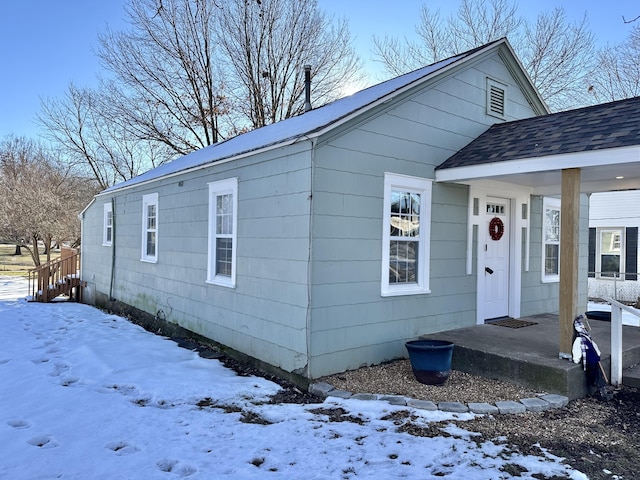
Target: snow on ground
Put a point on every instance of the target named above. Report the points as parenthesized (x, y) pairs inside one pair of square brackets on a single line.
[(85, 394), (627, 318)]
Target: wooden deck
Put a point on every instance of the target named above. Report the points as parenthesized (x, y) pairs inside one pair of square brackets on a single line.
[(57, 277)]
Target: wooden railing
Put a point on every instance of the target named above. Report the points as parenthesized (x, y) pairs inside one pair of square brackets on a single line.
[(616, 337), (57, 277)]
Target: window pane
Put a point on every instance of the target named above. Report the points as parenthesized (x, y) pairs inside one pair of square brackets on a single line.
[(609, 265), (403, 262), (552, 225), (610, 242), (405, 214), (151, 217), (610, 250), (551, 261), (151, 244), (224, 250), (224, 214)]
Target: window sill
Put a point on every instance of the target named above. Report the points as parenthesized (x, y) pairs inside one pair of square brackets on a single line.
[(404, 291), (222, 283), (551, 279), (149, 260)]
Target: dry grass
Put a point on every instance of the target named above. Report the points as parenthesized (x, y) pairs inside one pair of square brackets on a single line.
[(18, 265)]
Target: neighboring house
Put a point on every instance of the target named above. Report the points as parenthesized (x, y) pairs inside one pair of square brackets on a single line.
[(323, 242), (614, 218)]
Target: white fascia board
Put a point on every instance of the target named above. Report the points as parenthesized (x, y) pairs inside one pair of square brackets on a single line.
[(391, 96), (592, 158), (81, 214), (524, 80), (201, 167)]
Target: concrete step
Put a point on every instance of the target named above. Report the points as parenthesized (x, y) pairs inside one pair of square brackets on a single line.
[(631, 376), (528, 356)]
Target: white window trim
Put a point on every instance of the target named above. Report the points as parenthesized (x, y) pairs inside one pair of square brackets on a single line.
[(423, 186), (222, 187), (150, 199), (105, 226), (494, 83), (554, 204)]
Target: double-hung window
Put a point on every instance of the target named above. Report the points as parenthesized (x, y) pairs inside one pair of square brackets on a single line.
[(611, 257), (107, 225), (150, 228), (550, 240), (406, 232), (223, 219)]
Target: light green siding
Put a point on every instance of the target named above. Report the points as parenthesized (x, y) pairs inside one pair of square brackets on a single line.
[(309, 235), (265, 316), (352, 323)]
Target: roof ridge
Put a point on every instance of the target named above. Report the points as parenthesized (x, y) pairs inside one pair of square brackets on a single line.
[(299, 126)]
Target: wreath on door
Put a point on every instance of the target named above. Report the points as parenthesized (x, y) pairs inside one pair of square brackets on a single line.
[(496, 228)]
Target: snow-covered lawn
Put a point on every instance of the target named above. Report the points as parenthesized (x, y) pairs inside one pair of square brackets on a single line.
[(88, 395)]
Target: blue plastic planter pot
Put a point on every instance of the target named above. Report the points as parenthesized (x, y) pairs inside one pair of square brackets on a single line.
[(430, 360)]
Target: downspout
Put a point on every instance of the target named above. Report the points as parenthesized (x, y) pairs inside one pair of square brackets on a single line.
[(113, 246), (81, 218), (310, 259), (307, 107)]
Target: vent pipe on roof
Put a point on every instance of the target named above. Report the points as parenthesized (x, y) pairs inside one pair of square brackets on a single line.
[(307, 88)]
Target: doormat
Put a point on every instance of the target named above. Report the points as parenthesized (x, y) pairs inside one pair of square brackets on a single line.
[(512, 323)]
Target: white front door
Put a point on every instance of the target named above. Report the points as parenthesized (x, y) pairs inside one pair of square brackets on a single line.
[(496, 268)]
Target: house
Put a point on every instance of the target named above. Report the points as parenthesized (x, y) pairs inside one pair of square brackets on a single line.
[(614, 218), (323, 242)]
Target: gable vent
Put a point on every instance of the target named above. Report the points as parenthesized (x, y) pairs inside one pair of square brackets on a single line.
[(496, 98)]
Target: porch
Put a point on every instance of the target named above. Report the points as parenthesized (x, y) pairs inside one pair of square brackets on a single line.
[(528, 355)]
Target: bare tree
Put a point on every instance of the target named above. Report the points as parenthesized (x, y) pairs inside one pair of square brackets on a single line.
[(618, 75), (39, 199), (165, 86), (189, 73), (94, 143), (474, 24), (557, 55), (266, 45)]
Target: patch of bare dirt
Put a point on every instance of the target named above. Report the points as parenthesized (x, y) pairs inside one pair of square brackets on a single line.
[(600, 438)]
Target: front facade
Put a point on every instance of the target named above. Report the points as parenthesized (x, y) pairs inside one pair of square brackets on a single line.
[(326, 250)]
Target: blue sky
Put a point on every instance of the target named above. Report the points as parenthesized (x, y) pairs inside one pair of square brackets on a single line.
[(46, 44)]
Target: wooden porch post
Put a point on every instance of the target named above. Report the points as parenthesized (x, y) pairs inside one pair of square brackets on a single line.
[(569, 242)]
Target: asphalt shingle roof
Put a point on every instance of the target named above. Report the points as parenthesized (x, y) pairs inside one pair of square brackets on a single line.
[(608, 125)]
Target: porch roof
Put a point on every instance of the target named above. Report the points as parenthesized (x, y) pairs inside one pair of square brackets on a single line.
[(602, 140)]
